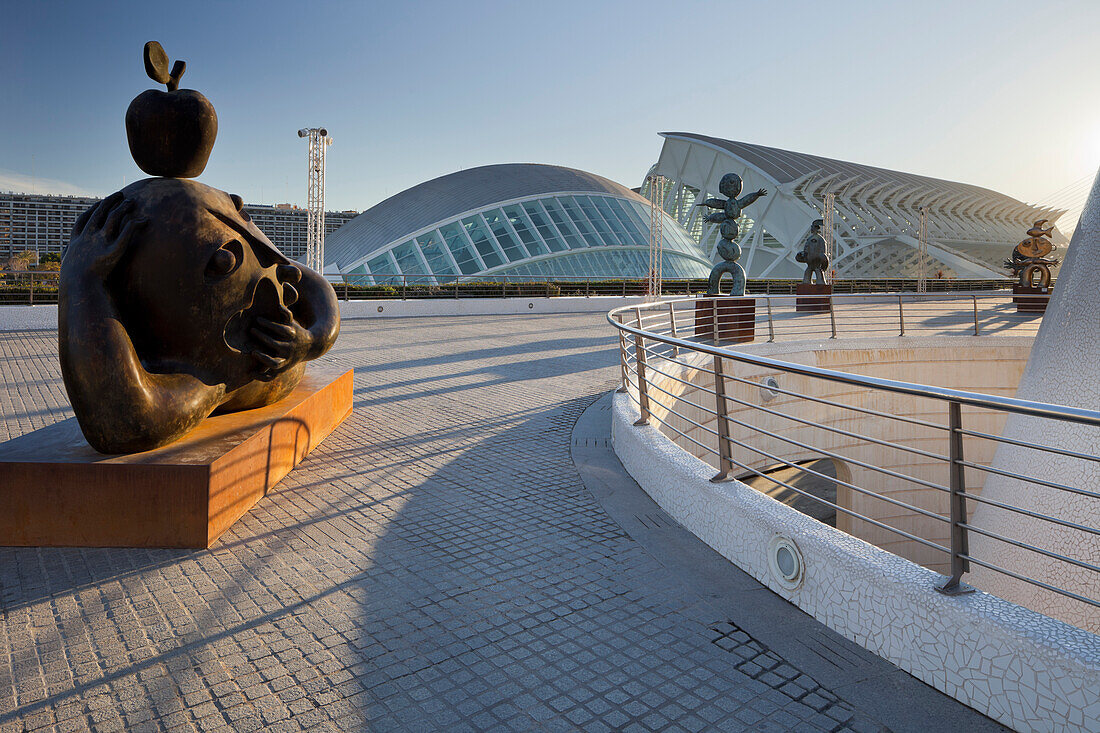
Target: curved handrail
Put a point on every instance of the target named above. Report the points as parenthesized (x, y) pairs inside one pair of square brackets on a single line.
[(974, 399), (635, 354)]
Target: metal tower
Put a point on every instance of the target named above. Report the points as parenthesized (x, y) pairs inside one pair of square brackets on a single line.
[(922, 252), (656, 237), (315, 224)]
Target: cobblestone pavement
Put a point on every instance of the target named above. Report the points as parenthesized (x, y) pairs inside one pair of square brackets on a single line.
[(436, 564)]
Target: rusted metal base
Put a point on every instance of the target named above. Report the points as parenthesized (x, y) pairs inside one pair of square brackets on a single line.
[(736, 319), (813, 298), (55, 490), (1030, 299)]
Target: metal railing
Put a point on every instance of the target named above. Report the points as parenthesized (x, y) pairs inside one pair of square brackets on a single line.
[(706, 397), (420, 286), (29, 287)]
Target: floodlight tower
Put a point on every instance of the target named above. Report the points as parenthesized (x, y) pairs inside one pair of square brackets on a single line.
[(315, 207), (656, 237), (830, 205), (922, 251)]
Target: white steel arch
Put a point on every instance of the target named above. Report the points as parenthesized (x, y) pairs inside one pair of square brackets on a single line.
[(971, 230)]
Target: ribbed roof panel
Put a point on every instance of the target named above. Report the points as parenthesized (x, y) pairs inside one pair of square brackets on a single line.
[(442, 199), (784, 166)]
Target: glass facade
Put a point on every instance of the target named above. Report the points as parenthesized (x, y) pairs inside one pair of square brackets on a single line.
[(557, 236)]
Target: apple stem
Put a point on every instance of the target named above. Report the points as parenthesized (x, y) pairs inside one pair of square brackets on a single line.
[(174, 78)]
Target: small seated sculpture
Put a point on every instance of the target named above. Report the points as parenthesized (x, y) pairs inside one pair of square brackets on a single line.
[(728, 249), (1029, 258), (814, 255), (173, 305)]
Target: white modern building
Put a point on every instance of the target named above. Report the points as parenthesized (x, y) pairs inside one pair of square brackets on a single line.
[(517, 219), (42, 223), (970, 230)]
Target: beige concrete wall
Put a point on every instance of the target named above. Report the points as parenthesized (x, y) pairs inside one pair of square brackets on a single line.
[(983, 364)]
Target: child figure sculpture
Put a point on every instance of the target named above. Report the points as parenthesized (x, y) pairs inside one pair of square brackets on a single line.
[(728, 214)]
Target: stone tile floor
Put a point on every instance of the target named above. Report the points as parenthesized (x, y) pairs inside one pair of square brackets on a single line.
[(436, 564)]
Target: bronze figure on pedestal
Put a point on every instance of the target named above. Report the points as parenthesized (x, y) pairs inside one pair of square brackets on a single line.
[(173, 305)]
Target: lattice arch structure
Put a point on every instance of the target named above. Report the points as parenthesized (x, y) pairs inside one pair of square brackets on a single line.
[(971, 230), (518, 219)]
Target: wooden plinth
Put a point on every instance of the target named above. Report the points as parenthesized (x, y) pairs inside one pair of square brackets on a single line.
[(813, 298), (736, 319), (55, 490), (1030, 299)]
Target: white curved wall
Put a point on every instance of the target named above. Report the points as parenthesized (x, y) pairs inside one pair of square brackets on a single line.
[(1064, 369)]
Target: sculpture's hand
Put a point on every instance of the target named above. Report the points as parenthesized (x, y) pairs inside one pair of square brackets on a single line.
[(285, 343), (101, 235), (762, 192)]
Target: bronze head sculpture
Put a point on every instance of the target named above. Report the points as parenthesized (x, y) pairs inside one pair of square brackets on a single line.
[(174, 305)]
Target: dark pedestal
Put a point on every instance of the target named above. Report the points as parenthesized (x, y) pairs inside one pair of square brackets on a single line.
[(736, 319), (813, 298), (55, 490), (1029, 299)]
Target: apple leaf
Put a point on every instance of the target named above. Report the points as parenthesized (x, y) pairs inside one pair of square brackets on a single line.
[(177, 71), (156, 62)]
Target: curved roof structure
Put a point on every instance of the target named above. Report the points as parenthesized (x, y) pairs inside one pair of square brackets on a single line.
[(520, 219), (970, 229)]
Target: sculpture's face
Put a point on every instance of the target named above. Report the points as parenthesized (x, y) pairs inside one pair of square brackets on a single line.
[(196, 280), (730, 185)]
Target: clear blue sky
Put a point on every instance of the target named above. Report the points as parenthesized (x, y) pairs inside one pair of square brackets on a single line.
[(1001, 94)]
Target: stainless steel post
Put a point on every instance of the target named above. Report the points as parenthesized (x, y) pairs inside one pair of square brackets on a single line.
[(960, 544), (976, 331), (643, 392), (725, 465), (901, 317), (672, 326), (771, 322)]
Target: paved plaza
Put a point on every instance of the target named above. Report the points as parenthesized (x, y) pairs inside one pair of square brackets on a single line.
[(461, 554)]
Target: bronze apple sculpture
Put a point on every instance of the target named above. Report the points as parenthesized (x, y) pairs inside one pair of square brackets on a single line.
[(173, 305), (171, 133)]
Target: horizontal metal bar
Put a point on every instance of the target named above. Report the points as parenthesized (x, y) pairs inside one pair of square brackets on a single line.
[(848, 434), (1028, 513), (1039, 583), (866, 492), (822, 401), (704, 446), (1032, 548), (839, 508), (974, 399), (682, 417), (1031, 480), (1033, 446)]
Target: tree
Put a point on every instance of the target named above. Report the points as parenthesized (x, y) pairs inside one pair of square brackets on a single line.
[(23, 260)]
